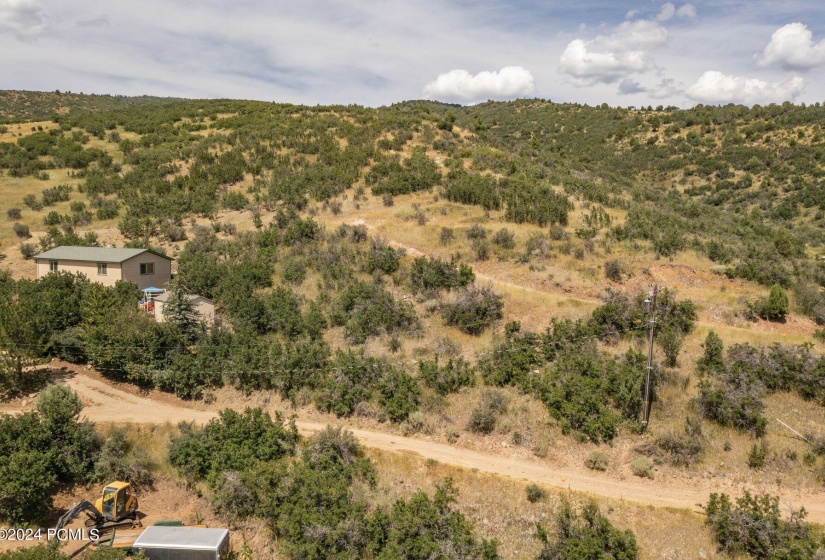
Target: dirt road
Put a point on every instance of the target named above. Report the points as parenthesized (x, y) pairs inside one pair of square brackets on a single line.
[(104, 402)]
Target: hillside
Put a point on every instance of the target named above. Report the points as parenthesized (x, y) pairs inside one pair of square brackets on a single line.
[(468, 276), (26, 106)]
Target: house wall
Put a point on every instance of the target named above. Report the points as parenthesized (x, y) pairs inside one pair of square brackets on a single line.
[(162, 275), (113, 270)]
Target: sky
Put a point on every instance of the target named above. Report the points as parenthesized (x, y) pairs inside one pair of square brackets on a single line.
[(379, 52)]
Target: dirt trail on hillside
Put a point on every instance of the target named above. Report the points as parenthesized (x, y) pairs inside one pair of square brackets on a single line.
[(104, 402)]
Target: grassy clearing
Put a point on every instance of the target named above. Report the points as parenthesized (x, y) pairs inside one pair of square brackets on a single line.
[(12, 191)]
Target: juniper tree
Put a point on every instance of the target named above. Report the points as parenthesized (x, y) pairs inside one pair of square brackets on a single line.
[(180, 311)]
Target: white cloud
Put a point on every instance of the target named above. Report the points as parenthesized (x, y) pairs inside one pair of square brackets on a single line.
[(716, 88), (666, 12), (686, 11), (631, 14), (792, 48), (22, 18), (667, 87), (460, 85), (610, 58)]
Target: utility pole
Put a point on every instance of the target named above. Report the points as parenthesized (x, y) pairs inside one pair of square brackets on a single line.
[(650, 307)]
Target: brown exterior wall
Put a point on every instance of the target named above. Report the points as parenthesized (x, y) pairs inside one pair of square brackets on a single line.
[(113, 271)]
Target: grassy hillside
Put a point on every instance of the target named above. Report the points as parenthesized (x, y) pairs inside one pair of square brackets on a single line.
[(475, 274), (25, 106)]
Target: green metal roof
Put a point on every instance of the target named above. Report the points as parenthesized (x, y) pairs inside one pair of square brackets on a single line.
[(94, 254)]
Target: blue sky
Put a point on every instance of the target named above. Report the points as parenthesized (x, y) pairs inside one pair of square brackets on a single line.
[(380, 52)]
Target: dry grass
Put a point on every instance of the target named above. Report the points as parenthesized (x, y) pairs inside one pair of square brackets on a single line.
[(12, 191), (20, 130), (500, 509), (153, 439)]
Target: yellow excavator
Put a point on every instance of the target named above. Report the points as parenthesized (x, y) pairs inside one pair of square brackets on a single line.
[(116, 508)]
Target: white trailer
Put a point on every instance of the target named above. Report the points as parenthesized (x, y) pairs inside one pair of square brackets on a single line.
[(183, 543)]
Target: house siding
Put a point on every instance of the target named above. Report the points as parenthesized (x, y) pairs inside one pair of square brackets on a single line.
[(161, 277), (113, 270), (128, 270)]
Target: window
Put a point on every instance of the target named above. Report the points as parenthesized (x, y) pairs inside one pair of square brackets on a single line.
[(147, 268), (101, 269), (52, 266)]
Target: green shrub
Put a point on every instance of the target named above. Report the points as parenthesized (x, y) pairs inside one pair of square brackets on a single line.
[(294, 270), (351, 379), (28, 250), (399, 394), (482, 249), (505, 238), (476, 231), (671, 340), (584, 535), (613, 270), (809, 300), (446, 236), (535, 493), (27, 482), (482, 420), (234, 201), (755, 527), (591, 393), (31, 201), (108, 209), (120, 459), (424, 527), (679, 449), (777, 306), (475, 309), (231, 442), (56, 194), (737, 403), (483, 417), (42, 449), (596, 461), (13, 214), (366, 310), (712, 359), (43, 551), (758, 455), (642, 467), (382, 257), (416, 173), (21, 231), (431, 274), (449, 378)]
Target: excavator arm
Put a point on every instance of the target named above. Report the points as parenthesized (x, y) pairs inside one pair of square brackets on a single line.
[(79, 507)]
